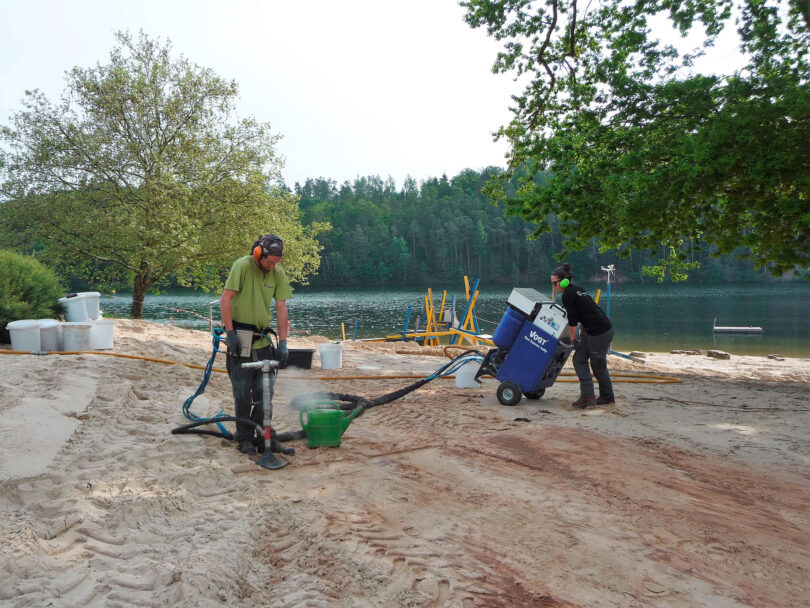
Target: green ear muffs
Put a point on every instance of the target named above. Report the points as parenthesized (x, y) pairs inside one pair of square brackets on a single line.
[(565, 283)]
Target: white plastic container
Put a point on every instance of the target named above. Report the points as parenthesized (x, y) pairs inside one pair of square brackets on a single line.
[(49, 335), (465, 375), (331, 356), (102, 334), (76, 335), (91, 303), (24, 335), (75, 306)]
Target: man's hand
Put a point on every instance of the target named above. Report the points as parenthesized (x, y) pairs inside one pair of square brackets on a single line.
[(234, 347), (283, 353)]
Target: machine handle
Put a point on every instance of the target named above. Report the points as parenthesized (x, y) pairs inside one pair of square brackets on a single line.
[(265, 365), (316, 405)]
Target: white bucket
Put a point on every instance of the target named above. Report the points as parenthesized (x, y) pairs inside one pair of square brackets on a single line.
[(91, 300), (75, 308), (101, 335), (49, 335), (331, 356), (76, 336), (24, 335), (465, 375)]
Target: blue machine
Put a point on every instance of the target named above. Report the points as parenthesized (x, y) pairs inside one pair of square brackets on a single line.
[(529, 355)]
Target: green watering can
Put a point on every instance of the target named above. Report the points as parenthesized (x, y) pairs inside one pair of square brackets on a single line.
[(325, 423)]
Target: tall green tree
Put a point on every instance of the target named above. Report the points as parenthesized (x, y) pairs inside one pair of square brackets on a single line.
[(619, 138), (417, 237), (142, 170)]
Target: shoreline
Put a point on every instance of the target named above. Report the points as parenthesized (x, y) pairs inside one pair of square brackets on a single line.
[(694, 350), (648, 318)]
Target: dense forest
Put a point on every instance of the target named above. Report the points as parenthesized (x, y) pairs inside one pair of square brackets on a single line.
[(441, 229)]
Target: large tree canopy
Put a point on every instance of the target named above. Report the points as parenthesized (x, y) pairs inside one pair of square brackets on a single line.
[(618, 136), (142, 170)]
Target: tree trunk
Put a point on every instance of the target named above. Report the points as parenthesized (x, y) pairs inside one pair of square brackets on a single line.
[(143, 281)]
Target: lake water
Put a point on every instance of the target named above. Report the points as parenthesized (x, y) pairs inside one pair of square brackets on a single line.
[(658, 317)]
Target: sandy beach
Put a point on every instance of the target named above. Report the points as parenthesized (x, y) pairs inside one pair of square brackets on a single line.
[(688, 494)]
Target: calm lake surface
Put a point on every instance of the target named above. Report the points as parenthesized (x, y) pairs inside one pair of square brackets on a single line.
[(658, 317)]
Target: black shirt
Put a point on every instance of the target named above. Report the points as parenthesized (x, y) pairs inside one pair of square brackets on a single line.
[(580, 308)]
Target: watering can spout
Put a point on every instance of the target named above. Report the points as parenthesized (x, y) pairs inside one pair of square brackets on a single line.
[(347, 420)]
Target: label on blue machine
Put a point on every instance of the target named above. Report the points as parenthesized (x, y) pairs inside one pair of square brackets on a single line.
[(552, 320)]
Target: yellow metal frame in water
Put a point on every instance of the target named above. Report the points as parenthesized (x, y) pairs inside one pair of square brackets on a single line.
[(432, 333)]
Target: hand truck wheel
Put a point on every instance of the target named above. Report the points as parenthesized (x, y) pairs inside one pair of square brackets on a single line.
[(509, 393)]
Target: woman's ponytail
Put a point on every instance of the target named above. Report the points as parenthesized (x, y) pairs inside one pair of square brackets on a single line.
[(564, 271)]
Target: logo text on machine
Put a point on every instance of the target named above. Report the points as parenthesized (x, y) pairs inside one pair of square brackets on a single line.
[(537, 340)]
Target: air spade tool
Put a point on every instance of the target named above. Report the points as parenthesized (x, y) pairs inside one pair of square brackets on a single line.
[(268, 459), (272, 440)]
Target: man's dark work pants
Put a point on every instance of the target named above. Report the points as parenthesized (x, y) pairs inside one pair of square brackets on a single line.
[(593, 349), (247, 390)]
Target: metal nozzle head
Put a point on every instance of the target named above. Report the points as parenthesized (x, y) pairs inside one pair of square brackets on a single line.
[(269, 460)]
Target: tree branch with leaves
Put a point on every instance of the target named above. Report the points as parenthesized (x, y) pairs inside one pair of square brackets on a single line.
[(619, 137)]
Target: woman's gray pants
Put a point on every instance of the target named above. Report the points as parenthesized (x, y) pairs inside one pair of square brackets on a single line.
[(593, 349)]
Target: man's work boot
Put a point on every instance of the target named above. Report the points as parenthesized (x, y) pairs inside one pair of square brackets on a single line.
[(246, 446), (605, 401), (583, 402)]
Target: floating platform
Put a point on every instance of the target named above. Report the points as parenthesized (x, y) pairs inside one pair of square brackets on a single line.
[(719, 329)]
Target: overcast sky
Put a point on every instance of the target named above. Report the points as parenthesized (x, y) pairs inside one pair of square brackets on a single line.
[(356, 87)]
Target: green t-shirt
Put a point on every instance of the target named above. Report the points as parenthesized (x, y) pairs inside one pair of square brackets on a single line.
[(255, 291)]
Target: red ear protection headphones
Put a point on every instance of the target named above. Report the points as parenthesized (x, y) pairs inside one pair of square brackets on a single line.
[(269, 244)]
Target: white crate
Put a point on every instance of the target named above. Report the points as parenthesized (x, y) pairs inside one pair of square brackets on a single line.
[(524, 299)]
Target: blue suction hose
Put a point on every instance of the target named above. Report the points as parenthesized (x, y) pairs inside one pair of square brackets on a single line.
[(217, 338)]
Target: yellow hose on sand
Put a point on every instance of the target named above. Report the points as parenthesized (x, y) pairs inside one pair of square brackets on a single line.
[(619, 377)]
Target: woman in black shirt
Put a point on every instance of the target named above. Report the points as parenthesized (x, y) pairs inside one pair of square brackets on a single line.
[(595, 339)]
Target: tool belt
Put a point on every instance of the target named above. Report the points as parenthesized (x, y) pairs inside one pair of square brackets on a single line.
[(257, 332)]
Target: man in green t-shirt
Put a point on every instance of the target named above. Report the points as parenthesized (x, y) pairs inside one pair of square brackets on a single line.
[(253, 283)]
